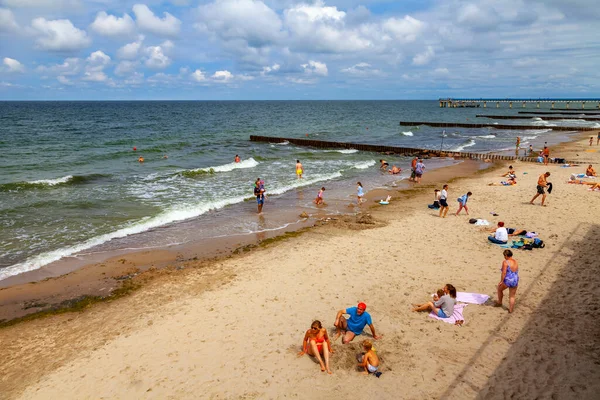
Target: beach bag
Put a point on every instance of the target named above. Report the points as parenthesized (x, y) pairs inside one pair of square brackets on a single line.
[(538, 243)]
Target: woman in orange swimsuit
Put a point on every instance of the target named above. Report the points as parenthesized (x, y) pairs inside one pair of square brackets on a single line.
[(313, 342)]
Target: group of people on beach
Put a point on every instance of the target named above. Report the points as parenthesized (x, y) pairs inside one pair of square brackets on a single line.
[(440, 201), (316, 341)]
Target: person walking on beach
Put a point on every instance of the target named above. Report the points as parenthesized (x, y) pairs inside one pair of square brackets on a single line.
[(541, 185), (316, 342), (413, 165), (518, 145), (509, 279), (444, 201), (462, 202), (591, 140), (355, 324), (299, 169), (419, 169), (546, 154), (259, 192), (359, 193)]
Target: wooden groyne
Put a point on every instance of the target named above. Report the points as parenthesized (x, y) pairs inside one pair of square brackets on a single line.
[(560, 112), (405, 151), (513, 127), (544, 117)]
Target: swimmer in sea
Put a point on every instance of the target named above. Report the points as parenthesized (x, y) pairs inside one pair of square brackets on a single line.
[(141, 159), (299, 169), (237, 158), (395, 170)]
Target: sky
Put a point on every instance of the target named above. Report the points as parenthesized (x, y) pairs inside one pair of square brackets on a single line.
[(297, 50)]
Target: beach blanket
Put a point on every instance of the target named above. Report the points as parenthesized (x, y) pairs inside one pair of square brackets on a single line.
[(473, 298), (456, 316)]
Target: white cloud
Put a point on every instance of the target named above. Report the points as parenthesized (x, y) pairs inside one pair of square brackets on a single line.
[(94, 76), (526, 62), (425, 57), (148, 22), (156, 57), (316, 68), (198, 76), (110, 25), (59, 35), (126, 67), (13, 65), (136, 78), (130, 51), (71, 66), (222, 76), (362, 69), (441, 71), (267, 69), (404, 30), (7, 21), (97, 61), (248, 20), (64, 80)]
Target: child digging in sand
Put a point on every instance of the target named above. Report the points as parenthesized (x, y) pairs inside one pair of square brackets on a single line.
[(369, 360)]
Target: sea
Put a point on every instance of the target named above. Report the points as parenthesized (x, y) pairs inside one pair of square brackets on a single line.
[(71, 183)]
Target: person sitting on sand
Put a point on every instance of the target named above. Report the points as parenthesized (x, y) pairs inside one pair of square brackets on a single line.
[(319, 200), (384, 165), (500, 236), (444, 307), (590, 171), (462, 202), (509, 278), (316, 342), (511, 171), (368, 360), (355, 324), (436, 200), (515, 232)]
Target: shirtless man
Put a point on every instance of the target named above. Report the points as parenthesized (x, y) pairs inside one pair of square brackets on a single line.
[(395, 170), (546, 154), (541, 185), (413, 165), (299, 169), (384, 165), (590, 171)]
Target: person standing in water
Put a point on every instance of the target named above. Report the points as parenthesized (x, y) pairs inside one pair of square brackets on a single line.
[(237, 159), (299, 169), (359, 193)]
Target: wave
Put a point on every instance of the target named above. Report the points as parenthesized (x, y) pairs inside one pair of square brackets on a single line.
[(486, 136), (284, 143), (347, 151), (249, 163), (543, 123), (464, 146), (409, 133), (49, 183), (364, 164), (305, 182)]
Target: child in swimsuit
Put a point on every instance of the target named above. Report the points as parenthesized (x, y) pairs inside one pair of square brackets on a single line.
[(359, 192), (313, 344), (369, 360), (319, 199)]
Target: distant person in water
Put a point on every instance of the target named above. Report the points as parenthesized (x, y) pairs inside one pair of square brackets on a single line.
[(319, 200), (141, 159), (517, 145), (299, 169), (419, 170), (359, 193), (530, 150), (413, 165), (384, 165), (237, 158)]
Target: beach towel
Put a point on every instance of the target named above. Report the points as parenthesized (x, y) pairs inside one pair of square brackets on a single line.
[(482, 222), (456, 316), (473, 298)]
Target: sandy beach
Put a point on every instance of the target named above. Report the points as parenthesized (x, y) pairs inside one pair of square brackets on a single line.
[(231, 328)]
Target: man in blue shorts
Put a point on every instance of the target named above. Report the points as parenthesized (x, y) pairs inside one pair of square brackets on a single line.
[(355, 324)]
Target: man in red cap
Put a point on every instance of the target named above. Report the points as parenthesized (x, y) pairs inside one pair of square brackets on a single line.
[(355, 324)]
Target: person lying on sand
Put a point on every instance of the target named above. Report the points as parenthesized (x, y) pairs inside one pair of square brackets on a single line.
[(394, 170), (368, 360), (316, 342), (355, 324), (444, 307), (590, 171), (509, 182), (593, 185)]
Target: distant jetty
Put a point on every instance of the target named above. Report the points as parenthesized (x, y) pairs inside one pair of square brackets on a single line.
[(513, 127), (474, 102), (581, 112), (544, 118)]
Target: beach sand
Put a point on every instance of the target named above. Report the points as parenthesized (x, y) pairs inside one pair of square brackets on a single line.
[(232, 328)]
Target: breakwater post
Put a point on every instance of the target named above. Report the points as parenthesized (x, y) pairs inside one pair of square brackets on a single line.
[(508, 127), (405, 151)]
